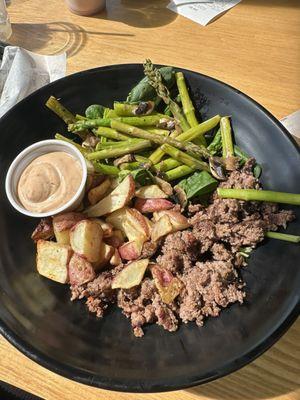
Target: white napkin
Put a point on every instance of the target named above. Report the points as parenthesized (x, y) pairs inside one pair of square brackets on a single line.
[(292, 124), (202, 11), (22, 72)]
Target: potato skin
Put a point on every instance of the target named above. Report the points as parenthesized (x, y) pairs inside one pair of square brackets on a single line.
[(80, 270)]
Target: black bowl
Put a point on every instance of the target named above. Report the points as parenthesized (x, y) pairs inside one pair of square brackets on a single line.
[(36, 314)]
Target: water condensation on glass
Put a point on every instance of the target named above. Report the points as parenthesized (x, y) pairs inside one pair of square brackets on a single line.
[(5, 27)]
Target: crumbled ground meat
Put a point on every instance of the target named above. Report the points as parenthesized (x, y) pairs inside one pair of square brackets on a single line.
[(205, 257)]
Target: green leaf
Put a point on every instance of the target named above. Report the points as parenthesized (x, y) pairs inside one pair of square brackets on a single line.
[(198, 184), (215, 146), (143, 91), (141, 176), (244, 157)]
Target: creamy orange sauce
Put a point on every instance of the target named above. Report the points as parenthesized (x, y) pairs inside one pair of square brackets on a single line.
[(49, 182)]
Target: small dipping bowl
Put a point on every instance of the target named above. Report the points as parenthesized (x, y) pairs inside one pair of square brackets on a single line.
[(25, 158)]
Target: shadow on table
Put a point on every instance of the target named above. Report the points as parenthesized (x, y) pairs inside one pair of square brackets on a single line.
[(274, 374), (138, 13), (59, 36)]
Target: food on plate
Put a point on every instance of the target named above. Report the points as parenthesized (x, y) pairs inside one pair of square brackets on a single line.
[(150, 192), (80, 270), (98, 192), (181, 209), (131, 275), (117, 199), (49, 182), (86, 238), (52, 260), (62, 225), (151, 205)]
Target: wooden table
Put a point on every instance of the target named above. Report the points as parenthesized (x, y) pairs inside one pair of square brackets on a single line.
[(254, 47)]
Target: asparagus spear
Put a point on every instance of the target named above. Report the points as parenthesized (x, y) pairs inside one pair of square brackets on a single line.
[(216, 145), (190, 148), (105, 169), (226, 137), (158, 154), (184, 158), (259, 195), (188, 135), (118, 151), (167, 164), (127, 110), (157, 131), (199, 129), (178, 172), (110, 133), (54, 105), (155, 80), (82, 150), (114, 145), (283, 236), (187, 105), (157, 120)]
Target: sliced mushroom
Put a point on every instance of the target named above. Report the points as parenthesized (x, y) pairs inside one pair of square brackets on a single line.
[(144, 108), (217, 168), (124, 159)]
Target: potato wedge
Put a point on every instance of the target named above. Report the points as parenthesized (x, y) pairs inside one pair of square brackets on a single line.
[(117, 199), (86, 238), (131, 275), (52, 260), (131, 222), (105, 226), (161, 228), (150, 192), (152, 205), (105, 254), (115, 259), (116, 240), (164, 185), (80, 270), (167, 284), (178, 221), (132, 250), (62, 224), (97, 193)]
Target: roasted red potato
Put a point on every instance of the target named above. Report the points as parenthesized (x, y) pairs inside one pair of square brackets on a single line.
[(131, 275), (152, 205), (52, 260), (117, 199), (80, 270), (86, 238)]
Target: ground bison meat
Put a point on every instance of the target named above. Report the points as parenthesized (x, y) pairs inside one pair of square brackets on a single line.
[(209, 287), (206, 258), (180, 251), (143, 305)]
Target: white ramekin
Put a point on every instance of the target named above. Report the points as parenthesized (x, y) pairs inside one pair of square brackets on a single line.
[(29, 154)]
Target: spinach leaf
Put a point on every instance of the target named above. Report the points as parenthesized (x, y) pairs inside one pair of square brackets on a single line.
[(244, 157), (198, 184), (143, 91), (141, 176), (215, 146)]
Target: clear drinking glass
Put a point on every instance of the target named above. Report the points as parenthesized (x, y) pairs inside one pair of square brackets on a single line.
[(5, 27)]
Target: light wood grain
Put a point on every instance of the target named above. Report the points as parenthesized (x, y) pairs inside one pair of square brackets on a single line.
[(254, 47)]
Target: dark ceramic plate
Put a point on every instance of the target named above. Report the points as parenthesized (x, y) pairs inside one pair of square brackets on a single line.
[(36, 314)]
